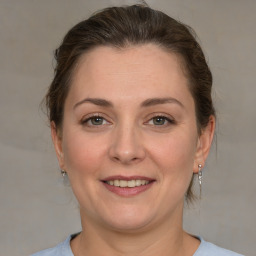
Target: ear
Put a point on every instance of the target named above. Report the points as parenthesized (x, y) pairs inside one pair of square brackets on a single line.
[(57, 141), (204, 144)]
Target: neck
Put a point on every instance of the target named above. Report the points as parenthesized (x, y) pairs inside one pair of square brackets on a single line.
[(167, 238)]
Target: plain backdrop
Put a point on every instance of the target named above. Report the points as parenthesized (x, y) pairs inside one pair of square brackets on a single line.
[(36, 210)]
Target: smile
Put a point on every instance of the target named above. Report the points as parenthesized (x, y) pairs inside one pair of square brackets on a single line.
[(127, 183), (128, 186)]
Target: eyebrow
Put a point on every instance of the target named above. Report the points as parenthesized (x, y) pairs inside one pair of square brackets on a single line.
[(157, 101), (146, 103), (95, 101)]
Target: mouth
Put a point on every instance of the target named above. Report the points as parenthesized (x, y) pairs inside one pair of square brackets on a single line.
[(128, 186), (127, 183)]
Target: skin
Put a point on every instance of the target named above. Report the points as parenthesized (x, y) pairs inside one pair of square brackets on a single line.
[(129, 141)]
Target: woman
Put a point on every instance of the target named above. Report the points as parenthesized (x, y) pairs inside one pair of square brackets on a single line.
[(132, 122)]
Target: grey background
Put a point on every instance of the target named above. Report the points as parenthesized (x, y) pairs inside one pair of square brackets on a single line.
[(36, 210)]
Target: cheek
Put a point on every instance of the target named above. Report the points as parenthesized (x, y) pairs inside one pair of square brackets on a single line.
[(174, 158), (82, 154), (175, 154)]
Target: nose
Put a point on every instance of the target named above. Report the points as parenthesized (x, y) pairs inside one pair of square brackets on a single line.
[(127, 146)]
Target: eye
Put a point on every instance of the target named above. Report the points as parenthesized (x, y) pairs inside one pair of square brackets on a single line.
[(160, 121), (94, 121)]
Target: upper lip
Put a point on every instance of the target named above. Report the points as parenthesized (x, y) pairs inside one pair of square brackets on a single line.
[(120, 177)]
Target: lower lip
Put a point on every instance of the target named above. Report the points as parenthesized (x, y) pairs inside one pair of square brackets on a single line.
[(128, 192)]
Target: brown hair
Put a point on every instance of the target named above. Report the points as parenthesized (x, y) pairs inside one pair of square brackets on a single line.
[(132, 25)]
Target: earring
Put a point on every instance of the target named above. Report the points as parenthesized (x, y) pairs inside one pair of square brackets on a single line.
[(65, 177), (63, 173), (200, 177), (200, 174)]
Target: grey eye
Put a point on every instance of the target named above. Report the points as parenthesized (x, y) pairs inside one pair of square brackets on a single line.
[(159, 120), (96, 120)]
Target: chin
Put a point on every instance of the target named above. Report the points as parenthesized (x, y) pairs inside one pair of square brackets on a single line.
[(129, 225), (128, 219)]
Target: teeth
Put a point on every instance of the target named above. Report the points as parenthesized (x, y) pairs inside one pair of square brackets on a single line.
[(122, 183), (138, 183), (116, 183), (129, 183)]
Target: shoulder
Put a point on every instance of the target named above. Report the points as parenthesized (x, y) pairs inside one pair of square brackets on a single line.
[(209, 249), (62, 249)]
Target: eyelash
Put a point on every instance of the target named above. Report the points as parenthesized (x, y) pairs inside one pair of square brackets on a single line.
[(169, 120), (90, 118)]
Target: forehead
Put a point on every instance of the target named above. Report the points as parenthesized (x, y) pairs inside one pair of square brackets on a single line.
[(132, 72)]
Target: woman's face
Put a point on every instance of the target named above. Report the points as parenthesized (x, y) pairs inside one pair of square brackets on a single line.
[(129, 138)]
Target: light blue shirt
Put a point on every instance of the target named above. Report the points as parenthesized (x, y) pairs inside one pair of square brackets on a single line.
[(205, 249)]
